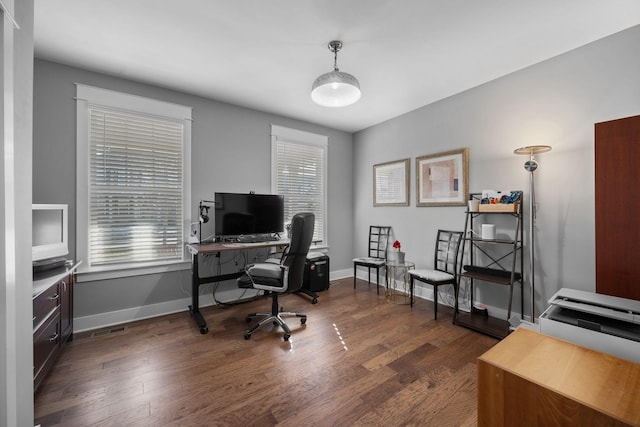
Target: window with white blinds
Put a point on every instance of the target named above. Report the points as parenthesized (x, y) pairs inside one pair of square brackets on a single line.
[(135, 188), (299, 169), (136, 199)]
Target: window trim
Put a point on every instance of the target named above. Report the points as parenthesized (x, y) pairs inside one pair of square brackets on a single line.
[(296, 136), (86, 95)]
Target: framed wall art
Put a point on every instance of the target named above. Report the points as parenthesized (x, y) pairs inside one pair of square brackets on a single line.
[(391, 183), (442, 179)]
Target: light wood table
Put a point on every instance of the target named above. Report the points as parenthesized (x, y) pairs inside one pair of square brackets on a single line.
[(530, 379)]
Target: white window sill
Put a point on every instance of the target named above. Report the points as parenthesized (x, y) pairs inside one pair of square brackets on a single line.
[(105, 273)]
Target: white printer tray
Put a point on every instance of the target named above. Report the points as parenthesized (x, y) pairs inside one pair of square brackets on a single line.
[(601, 322)]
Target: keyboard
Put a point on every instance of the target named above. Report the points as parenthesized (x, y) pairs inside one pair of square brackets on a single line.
[(257, 238)]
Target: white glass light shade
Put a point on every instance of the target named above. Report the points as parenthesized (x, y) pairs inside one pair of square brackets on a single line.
[(335, 89)]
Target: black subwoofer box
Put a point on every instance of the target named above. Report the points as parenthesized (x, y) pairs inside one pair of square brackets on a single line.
[(316, 272)]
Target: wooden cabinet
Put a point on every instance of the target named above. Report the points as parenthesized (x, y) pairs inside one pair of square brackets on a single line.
[(52, 318), (530, 379), (46, 345), (617, 176), (66, 308)]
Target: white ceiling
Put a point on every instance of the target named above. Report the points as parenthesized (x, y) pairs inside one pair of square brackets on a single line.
[(265, 54)]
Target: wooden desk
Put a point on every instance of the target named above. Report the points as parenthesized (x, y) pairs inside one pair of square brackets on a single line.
[(530, 379), (216, 248)]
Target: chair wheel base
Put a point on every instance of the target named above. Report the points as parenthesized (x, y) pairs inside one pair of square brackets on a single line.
[(275, 318)]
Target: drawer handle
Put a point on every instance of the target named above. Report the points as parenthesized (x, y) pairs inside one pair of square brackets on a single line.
[(34, 318), (54, 297), (53, 337)]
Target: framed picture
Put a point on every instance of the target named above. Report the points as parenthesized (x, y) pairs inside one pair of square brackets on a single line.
[(443, 179), (391, 183)]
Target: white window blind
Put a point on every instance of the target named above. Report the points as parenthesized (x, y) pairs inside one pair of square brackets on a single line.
[(135, 189), (133, 183), (299, 174)]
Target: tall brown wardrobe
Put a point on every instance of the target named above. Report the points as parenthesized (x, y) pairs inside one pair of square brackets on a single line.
[(617, 207)]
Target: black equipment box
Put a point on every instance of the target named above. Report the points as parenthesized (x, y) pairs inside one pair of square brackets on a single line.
[(316, 272)]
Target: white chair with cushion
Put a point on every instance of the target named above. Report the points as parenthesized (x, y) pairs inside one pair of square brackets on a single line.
[(377, 256), (444, 271)]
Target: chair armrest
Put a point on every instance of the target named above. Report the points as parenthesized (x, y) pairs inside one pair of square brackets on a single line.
[(266, 270), (268, 276)]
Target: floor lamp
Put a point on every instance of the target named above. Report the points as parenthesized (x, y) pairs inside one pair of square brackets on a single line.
[(531, 165)]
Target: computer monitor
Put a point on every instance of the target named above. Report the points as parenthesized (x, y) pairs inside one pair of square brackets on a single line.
[(239, 214)]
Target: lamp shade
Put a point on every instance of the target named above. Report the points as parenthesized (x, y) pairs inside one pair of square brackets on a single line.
[(530, 150), (335, 89)]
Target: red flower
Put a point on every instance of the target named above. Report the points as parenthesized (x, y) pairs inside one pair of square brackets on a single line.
[(396, 244)]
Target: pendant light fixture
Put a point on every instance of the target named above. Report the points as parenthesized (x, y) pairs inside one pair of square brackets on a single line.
[(335, 89)]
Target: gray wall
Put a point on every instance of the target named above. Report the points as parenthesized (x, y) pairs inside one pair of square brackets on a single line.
[(554, 103), (231, 150)]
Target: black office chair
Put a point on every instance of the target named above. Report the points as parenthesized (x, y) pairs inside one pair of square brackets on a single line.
[(377, 257), (281, 278), (444, 271)]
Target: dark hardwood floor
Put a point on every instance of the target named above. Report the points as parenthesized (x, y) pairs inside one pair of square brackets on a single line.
[(359, 360)]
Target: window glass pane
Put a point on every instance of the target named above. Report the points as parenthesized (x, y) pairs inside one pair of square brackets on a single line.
[(135, 188), (300, 171)]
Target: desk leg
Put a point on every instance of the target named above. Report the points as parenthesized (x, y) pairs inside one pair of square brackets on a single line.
[(194, 308)]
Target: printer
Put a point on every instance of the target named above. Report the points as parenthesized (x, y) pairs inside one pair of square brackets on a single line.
[(602, 322)]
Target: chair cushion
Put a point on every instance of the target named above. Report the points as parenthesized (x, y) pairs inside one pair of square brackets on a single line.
[(258, 275), (431, 275), (244, 281), (265, 270), (369, 261)]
